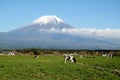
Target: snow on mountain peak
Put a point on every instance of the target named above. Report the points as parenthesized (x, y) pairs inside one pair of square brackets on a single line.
[(45, 23), (48, 19)]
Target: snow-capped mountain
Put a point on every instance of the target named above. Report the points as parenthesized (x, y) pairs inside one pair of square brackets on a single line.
[(44, 23), (52, 32)]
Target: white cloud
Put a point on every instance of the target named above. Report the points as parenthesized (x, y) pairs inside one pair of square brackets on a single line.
[(90, 32), (107, 33)]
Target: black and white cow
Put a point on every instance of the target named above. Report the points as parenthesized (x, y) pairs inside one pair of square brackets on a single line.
[(70, 58), (110, 55), (36, 56)]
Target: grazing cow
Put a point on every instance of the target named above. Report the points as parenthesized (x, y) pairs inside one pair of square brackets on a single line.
[(81, 56), (110, 55), (104, 55), (70, 58), (113, 55), (12, 54), (36, 56)]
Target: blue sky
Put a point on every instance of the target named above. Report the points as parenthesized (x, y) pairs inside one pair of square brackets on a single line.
[(100, 14)]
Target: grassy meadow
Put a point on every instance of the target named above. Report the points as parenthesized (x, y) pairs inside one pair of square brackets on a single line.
[(52, 67)]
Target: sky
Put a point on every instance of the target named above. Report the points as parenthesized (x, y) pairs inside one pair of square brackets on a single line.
[(98, 14)]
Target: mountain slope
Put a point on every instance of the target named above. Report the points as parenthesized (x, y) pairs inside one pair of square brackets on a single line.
[(50, 40)]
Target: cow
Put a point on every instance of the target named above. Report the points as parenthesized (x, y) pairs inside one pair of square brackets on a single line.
[(113, 55), (110, 55), (104, 55), (36, 56), (70, 58), (11, 53), (81, 56)]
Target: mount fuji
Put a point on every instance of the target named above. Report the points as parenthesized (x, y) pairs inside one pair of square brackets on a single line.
[(44, 23), (50, 32)]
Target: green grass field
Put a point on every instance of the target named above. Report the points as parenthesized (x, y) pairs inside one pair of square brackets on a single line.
[(50, 67)]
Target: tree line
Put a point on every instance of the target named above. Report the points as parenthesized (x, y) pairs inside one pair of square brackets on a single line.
[(59, 52)]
